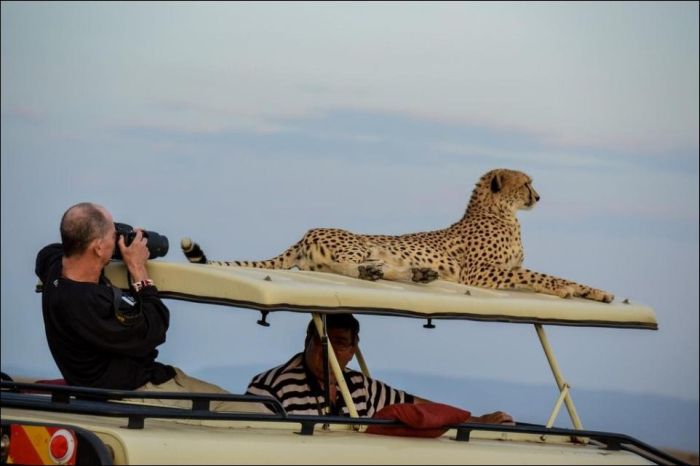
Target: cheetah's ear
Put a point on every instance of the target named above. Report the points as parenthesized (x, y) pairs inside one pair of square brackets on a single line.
[(496, 183)]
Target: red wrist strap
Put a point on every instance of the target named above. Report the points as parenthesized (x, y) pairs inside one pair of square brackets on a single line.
[(138, 286)]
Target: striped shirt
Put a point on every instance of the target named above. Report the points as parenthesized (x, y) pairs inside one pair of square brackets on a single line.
[(299, 393)]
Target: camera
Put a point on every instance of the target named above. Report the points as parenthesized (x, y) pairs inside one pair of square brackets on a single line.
[(157, 244)]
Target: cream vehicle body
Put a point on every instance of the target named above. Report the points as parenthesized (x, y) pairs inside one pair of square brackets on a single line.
[(123, 433)]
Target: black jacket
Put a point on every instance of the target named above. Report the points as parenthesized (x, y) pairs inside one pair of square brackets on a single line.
[(90, 345)]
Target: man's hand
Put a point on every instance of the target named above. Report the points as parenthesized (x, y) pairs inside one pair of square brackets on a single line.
[(135, 255), (499, 417)]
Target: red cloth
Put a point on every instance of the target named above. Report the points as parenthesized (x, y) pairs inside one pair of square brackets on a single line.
[(52, 381), (46, 381), (422, 420)]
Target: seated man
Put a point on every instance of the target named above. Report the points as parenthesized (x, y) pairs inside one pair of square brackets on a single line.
[(298, 383)]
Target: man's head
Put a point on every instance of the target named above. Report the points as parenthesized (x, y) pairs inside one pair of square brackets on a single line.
[(85, 226), (343, 332)]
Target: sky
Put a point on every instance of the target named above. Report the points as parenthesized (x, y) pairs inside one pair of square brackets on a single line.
[(243, 125)]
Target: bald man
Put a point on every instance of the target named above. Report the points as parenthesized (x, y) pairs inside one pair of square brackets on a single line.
[(98, 336)]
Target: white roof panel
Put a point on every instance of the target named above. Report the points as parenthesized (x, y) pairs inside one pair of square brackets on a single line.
[(303, 291)]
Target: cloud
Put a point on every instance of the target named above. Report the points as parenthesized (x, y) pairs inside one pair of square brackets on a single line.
[(514, 157), (380, 135), (25, 114)]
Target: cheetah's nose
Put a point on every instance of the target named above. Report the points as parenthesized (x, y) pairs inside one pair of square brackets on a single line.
[(537, 197)]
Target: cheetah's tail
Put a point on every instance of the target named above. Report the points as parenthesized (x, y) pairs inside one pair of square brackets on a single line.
[(195, 255)]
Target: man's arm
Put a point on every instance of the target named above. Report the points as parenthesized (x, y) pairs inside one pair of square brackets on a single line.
[(381, 394), (92, 316), (48, 256), (499, 417), (135, 256)]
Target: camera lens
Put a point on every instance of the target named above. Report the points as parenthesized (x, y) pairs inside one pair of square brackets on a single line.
[(157, 244)]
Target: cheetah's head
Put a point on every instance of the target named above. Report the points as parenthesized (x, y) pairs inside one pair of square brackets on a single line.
[(508, 189)]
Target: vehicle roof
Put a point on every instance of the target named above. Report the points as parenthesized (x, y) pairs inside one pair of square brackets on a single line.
[(304, 291)]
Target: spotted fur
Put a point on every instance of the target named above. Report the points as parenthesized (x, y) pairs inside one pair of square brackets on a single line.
[(482, 249)]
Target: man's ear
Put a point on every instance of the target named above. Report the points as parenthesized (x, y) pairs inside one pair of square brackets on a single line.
[(97, 246)]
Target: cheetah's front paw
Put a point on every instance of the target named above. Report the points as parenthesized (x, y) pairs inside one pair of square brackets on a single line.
[(599, 295), (371, 272), (423, 274)]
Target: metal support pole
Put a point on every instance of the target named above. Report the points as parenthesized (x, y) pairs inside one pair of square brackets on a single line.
[(557, 406), (361, 362), (337, 371), (557, 376), (326, 370)]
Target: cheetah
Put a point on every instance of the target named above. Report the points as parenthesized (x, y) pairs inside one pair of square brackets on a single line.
[(482, 249)]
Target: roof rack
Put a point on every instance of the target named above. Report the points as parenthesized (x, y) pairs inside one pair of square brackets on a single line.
[(96, 401)]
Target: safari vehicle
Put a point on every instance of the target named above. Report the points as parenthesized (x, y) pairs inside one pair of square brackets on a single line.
[(58, 424)]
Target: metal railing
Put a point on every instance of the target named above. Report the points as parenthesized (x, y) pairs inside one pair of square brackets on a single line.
[(104, 402)]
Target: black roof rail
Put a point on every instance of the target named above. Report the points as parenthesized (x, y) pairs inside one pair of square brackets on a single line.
[(200, 401)]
